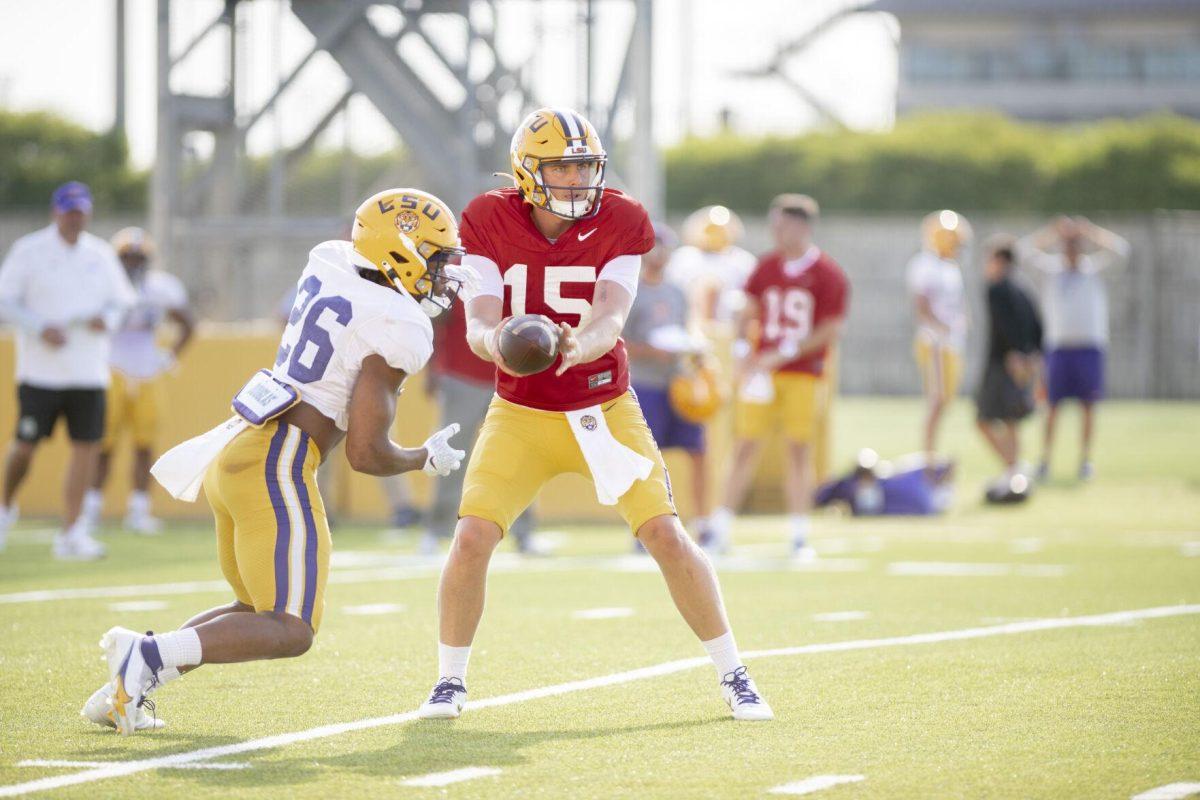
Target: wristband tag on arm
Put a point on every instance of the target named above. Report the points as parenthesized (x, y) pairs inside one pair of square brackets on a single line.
[(263, 398)]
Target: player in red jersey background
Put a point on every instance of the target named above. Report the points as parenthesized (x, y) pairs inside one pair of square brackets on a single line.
[(562, 245), (796, 301)]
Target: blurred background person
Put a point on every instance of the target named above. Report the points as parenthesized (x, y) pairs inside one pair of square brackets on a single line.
[(935, 282), (462, 385), (711, 268), (658, 341), (1014, 346), (136, 397), (796, 302), (1068, 257), (66, 292)]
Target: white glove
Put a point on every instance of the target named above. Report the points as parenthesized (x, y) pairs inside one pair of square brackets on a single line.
[(443, 458)]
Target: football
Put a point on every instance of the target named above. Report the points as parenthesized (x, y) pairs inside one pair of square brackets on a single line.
[(529, 343)]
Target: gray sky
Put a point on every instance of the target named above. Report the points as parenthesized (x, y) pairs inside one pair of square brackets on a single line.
[(853, 68)]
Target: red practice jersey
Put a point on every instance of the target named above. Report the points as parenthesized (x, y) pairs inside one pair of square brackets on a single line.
[(794, 299), (451, 353), (558, 280)]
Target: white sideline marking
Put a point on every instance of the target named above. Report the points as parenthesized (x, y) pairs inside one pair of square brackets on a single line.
[(138, 605), (665, 668), (840, 616), (1172, 791), (410, 568), (975, 569), (54, 762), (453, 776), (602, 613), (1026, 545), (1190, 549), (815, 784), (374, 609)]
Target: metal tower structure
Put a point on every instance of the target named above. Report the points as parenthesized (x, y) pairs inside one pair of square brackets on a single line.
[(207, 214)]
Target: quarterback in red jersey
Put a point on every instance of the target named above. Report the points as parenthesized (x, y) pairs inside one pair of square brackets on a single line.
[(796, 300), (562, 245)]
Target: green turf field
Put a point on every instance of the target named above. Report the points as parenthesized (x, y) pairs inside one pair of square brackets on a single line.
[(1017, 707)]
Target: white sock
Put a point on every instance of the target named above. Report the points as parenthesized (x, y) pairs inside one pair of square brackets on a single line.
[(452, 661), (93, 502), (82, 527), (724, 654), (139, 504), (721, 521), (179, 648), (800, 526)]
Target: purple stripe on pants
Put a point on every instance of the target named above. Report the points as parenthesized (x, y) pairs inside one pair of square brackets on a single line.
[(283, 527), (310, 527)]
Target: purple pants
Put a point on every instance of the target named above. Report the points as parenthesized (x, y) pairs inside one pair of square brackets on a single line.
[(668, 429), (1075, 372)]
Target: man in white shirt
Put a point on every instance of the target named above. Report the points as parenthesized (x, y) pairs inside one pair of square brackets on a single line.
[(137, 396), (66, 292), (710, 267), (1068, 256), (936, 285)]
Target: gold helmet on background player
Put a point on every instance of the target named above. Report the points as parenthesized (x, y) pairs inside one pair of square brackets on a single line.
[(945, 232), (712, 229), (558, 136), (133, 241), (411, 237)]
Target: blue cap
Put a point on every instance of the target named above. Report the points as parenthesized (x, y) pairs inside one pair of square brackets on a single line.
[(664, 235), (72, 196)]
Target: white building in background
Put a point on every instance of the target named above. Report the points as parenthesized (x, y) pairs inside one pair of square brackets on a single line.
[(1053, 60)]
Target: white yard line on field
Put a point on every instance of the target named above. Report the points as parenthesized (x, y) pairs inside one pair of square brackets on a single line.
[(815, 784), (614, 679), (55, 762), (602, 613), (453, 776), (975, 569), (138, 605), (374, 609), (1172, 791)]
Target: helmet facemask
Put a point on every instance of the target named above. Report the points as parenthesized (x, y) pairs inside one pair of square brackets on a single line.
[(437, 288), (581, 201)]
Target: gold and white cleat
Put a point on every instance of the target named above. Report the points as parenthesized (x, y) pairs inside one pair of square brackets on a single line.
[(98, 709)]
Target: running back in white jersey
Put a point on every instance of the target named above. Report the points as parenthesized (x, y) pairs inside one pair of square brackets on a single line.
[(338, 319), (134, 349)]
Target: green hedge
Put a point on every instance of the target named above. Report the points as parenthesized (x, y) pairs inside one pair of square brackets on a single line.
[(969, 161), (39, 151)]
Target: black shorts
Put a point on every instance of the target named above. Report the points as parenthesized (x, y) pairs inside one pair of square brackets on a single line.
[(41, 408), (999, 396)]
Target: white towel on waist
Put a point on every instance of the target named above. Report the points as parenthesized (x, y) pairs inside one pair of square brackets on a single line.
[(614, 466), (181, 469)]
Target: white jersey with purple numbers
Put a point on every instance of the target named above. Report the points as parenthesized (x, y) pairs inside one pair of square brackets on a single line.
[(337, 320)]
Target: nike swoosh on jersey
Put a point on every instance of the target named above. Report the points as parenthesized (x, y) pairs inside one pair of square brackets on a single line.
[(583, 236)]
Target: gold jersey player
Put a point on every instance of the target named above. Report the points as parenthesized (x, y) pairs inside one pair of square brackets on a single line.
[(359, 326), (562, 245)]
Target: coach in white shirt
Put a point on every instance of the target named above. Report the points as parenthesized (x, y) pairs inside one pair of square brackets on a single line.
[(1069, 257), (66, 292)]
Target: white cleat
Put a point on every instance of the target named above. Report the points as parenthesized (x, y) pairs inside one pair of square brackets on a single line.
[(143, 524), (78, 545), (8, 518), (743, 699), (98, 709), (446, 701), (803, 553), (131, 677)]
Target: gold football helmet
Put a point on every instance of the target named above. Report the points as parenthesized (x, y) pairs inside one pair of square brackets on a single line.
[(695, 392), (945, 232), (133, 241), (712, 229), (411, 237), (552, 138)]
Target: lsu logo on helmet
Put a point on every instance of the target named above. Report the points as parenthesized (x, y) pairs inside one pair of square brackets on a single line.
[(412, 238), (550, 138)]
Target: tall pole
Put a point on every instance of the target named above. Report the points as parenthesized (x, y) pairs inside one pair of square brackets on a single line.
[(166, 148), (645, 177), (119, 96)]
